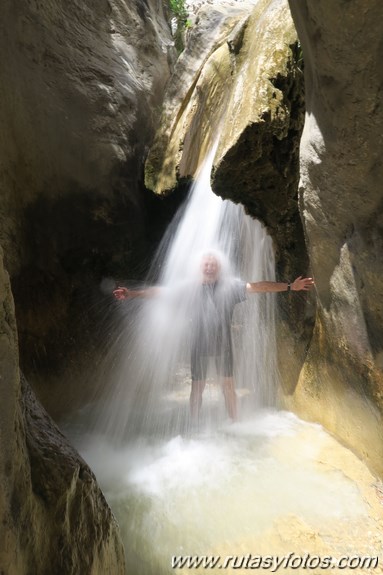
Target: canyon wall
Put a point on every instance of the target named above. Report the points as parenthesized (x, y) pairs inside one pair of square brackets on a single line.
[(341, 204), (240, 80), (81, 88), (81, 84), (54, 518)]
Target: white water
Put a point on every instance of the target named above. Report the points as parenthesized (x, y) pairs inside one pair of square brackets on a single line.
[(153, 367), (224, 488), (226, 492)]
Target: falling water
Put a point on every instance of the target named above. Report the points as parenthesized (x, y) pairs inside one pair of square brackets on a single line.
[(223, 489), (152, 385)]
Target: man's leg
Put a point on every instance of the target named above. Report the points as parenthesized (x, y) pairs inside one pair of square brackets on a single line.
[(225, 368), (228, 388), (196, 398), (198, 373)]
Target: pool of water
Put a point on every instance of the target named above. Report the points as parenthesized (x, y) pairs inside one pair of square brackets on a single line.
[(234, 488)]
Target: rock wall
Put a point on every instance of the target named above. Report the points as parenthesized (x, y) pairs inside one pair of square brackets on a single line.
[(54, 518), (341, 204), (246, 63), (240, 77), (81, 86)]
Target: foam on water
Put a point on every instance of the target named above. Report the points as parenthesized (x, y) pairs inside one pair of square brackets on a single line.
[(193, 495)]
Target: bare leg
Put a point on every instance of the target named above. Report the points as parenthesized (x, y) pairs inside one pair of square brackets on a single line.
[(230, 396), (196, 398)]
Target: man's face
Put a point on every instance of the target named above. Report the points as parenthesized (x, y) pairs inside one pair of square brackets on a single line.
[(210, 269)]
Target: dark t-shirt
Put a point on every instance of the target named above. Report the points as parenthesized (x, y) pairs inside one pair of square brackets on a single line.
[(212, 316)]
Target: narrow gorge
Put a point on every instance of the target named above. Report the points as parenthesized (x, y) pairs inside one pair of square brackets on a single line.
[(106, 128)]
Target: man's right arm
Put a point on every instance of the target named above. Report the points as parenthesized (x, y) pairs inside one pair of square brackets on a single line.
[(125, 293)]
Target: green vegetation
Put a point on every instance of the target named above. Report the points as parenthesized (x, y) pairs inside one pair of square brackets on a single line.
[(297, 52), (178, 9)]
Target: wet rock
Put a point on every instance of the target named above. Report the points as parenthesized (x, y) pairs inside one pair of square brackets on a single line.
[(54, 518), (194, 98), (239, 80)]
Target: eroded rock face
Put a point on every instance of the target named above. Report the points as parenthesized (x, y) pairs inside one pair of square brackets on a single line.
[(239, 77), (54, 518), (195, 97), (341, 204), (238, 81), (81, 83)]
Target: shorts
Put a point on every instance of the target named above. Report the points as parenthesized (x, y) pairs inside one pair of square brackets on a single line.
[(223, 363)]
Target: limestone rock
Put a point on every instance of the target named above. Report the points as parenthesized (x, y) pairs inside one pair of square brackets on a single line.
[(194, 97), (79, 81), (239, 81), (237, 76), (54, 518), (81, 85), (341, 205)]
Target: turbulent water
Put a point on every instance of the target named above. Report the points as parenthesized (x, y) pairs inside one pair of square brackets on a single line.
[(152, 362), (262, 484), (233, 490)]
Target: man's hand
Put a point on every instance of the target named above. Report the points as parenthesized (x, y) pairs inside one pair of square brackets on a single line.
[(302, 284), (121, 293), (125, 293)]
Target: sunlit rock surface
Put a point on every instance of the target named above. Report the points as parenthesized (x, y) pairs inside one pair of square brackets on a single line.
[(195, 96), (341, 204), (54, 518), (226, 82), (240, 77)]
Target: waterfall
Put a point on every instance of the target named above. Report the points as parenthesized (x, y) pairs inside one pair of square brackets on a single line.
[(152, 381), (268, 483)]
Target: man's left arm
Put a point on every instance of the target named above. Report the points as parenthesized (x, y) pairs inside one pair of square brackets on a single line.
[(299, 284)]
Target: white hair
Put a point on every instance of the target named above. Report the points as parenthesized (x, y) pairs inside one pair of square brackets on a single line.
[(221, 258)]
